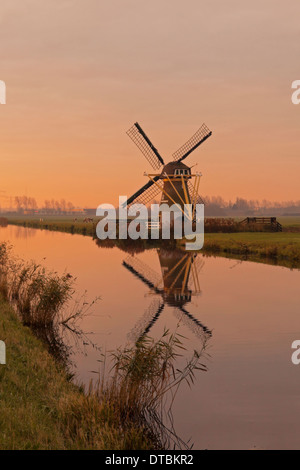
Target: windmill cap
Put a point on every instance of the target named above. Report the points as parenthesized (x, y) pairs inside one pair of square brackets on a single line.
[(170, 168)]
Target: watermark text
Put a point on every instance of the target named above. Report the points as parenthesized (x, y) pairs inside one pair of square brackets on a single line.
[(2, 92), (140, 222), (296, 94), (2, 353)]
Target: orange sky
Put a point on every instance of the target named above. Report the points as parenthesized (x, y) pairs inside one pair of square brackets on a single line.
[(79, 73)]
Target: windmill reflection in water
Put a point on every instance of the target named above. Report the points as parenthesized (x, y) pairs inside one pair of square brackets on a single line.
[(175, 287)]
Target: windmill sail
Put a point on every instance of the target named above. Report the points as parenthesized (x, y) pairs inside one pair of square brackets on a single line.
[(143, 272), (197, 198), (145, 194), (192, 323), (143, 142), (144, 325), (197, 139)]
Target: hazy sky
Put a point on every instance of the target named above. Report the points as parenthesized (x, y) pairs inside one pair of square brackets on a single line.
[(79, 73)]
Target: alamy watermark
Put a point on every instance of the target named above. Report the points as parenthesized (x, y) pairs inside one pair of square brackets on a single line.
[(2, 92), (139, 222), (296, 94), (296, 354), (2, 353)]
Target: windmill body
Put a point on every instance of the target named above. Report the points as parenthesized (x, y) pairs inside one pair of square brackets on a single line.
[(175, 177), (176, 270)]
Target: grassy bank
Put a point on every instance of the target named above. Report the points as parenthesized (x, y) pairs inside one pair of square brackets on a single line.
[(42, 409), (282, 247), (86, 226), (66, 224)]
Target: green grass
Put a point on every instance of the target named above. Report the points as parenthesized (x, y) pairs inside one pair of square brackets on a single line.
[(58, 224), (42, 409), (280, 247), (68, 224), (31, 388), (289, 222)]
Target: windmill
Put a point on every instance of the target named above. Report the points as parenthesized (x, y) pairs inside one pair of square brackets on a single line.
[(172, 288), (174, 180)]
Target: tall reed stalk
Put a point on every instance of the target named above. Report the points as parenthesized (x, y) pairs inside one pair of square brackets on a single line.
[(144, 382)]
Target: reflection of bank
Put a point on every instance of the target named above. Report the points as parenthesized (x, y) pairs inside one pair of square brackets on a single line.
[(175, 288)]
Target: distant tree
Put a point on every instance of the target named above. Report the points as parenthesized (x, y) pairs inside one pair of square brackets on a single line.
[(63, 205), (241, 204), (70, 206)]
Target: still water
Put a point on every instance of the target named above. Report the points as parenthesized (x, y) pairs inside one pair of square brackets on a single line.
[(247, 312)]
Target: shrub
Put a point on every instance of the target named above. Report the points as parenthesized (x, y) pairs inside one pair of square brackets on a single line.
[(38, 295)]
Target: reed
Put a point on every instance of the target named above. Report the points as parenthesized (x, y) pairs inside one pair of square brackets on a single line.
[(139, 393), (37, 294)]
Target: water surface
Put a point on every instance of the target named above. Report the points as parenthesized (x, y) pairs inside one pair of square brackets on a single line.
[(249, 397)]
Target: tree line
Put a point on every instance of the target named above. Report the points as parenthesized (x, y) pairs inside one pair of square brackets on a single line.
[(25, 203)]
